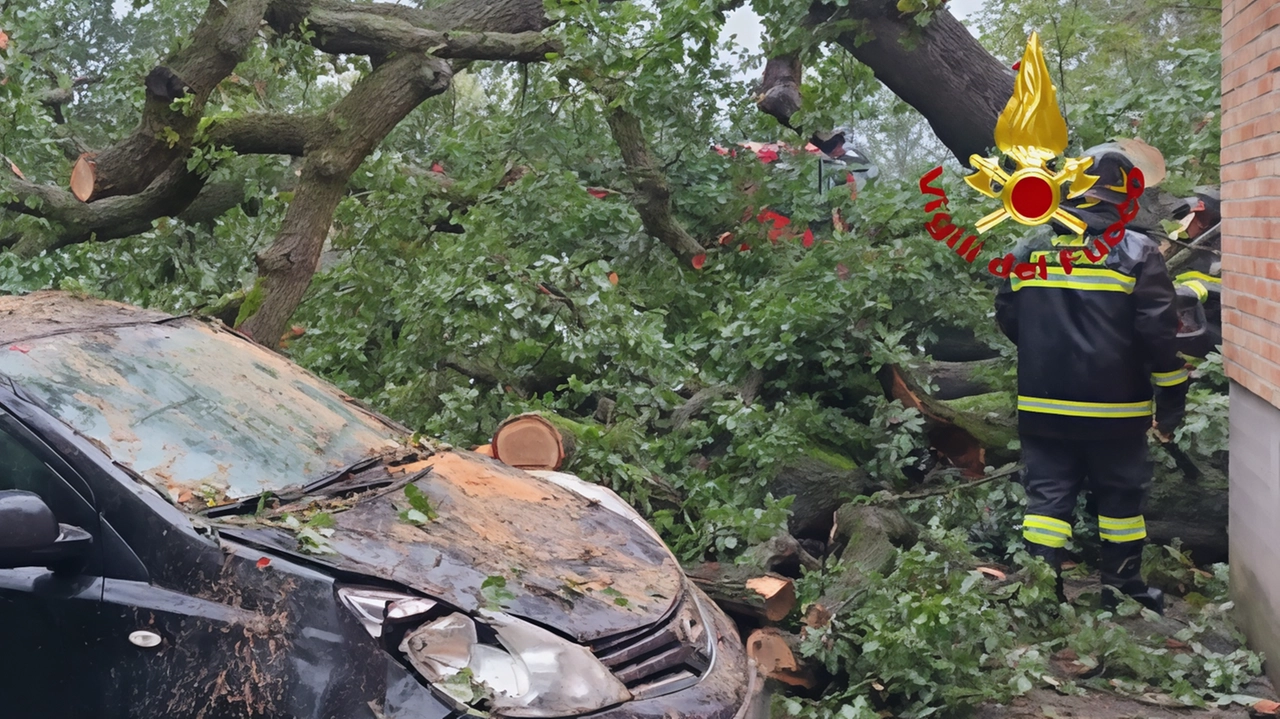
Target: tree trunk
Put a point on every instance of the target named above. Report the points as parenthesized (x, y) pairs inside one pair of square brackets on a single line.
[(939, 69), (961, 379), (745, 591), (871, 537), (356, 125), (821, 483)]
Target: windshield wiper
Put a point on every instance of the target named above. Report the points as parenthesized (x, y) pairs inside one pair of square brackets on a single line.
[(248, 505)]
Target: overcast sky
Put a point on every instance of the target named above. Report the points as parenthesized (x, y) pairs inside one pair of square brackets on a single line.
[(746, 24)]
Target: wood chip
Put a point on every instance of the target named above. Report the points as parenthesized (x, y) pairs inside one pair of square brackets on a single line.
[(1266, 707), (994, 573)]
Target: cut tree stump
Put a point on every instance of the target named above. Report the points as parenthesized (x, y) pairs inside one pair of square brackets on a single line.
[(83, 176), (745, 591), (530, 441), (777, 656)]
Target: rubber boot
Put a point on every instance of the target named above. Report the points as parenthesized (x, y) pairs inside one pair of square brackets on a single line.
[(1121, 567), (1053, 556)]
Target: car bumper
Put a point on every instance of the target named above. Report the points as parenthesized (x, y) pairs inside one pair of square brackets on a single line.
[(730, 690)]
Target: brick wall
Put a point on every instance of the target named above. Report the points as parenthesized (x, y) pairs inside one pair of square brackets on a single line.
[(1251, 194), (1251, 310)]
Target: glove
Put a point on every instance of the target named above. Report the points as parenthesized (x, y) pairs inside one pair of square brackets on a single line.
[(1171, 407)]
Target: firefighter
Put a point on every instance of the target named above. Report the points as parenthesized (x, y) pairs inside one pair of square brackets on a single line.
[(1096, 355)]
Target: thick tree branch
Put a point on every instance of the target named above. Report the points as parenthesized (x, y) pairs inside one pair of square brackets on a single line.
[(266, 133), (356, 31), (939, 69), (356, 125), (780, 89), (107, 219), (164, 134), (652, 196)]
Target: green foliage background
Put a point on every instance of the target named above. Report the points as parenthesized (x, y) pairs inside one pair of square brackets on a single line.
[(451, 315)]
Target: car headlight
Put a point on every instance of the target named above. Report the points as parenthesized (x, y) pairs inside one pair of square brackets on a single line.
[(374, 606), (524, 671)]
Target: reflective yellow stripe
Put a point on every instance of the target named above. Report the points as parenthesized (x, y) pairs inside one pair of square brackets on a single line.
[(1127, 529), (1078, 257), (1045, 531), (1121, 522), (1197, 287), (1187, 276), (1170, 379), (1081, 278), (1084, 409), (1050, 523)]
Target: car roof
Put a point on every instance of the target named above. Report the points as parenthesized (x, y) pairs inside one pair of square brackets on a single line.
[(50, 312)]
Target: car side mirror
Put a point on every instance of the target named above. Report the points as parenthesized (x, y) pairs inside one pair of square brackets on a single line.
[(30, 535)]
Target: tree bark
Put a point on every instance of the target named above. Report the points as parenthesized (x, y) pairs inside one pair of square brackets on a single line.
[(940, 70), (780, 90), (652, 196), (820, 488), (871, 537), (164, 135), (107, 219), (355, 125), (961, 379), (745, 591)]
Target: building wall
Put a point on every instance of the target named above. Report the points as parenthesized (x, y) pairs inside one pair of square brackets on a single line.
[(1251, 308), (1255, 505)]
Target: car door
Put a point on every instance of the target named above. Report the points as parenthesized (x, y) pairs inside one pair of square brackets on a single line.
[(49, 621), (102, 641)]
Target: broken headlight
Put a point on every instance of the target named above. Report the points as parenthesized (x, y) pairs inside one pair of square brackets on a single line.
[(373, 606), (510, 667)]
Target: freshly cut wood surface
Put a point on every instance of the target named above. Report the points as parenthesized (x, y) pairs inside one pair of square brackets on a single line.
[(83, 175), (776, 657), (528, 441)]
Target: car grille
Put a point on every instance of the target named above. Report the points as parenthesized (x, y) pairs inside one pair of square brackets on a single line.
[(661, 659)]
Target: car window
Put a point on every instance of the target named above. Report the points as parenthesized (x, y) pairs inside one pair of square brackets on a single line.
[(21, 469), (197, 411)]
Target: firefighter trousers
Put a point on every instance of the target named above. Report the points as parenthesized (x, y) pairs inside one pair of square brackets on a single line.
[(1116, 472)]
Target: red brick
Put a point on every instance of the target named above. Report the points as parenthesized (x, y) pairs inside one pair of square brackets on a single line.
[(1247, 110), (1245, 20), (1252, 227), (1255, 87), (1263, 187), (1258, 148), (1251, 45), (1257, 127), (1232, 172), (1257, 204)]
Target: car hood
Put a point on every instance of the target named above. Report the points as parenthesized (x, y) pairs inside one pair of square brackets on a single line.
[(567, 562)]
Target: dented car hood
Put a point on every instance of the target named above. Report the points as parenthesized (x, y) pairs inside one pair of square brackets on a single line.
[(567, 562)]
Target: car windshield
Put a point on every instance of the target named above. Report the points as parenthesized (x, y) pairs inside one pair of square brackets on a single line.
[(195, 410)]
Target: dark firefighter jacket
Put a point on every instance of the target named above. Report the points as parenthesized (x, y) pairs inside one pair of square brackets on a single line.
[(1092, 343)]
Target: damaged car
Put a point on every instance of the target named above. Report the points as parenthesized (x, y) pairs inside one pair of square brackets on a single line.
[(191, 525)]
